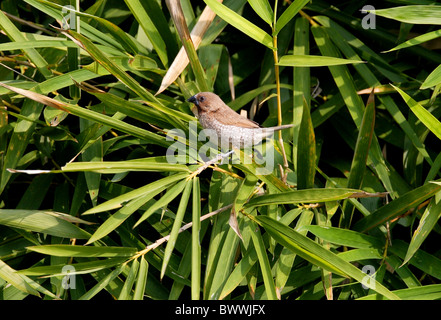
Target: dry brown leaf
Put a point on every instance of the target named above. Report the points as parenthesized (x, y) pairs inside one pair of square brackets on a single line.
[(181, 61), (36, 97)]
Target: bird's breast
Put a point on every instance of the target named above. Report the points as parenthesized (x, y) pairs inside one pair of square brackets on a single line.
[(229, 135)]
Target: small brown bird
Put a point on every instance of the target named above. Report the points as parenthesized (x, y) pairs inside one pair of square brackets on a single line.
[(232, 129)]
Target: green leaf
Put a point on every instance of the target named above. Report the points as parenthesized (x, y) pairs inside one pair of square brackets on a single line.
[(56, 270), (342, 38), (130, 280), (91, 115), (263, 9), (363, 145), (103, 283), (427, 292), (14, 34), (397, 207), (141, 281), (345, 237), (302, 82), (41, 221), (176, 226), (123, 166), (120, 216), (152, 188), (433, 79), (313, 61), (19, 139), (125, 78), (270, 288), (121, 37), (429, 120), (171, 194), (303, 196), (346, 86), (146, 23), (240, 23), (240, 271), (196, 241), (414, 14), (288, 14), (361, 153), (316, 254), (306, 156), (11, 276), (61, 250), (427, 222), (417, 40)]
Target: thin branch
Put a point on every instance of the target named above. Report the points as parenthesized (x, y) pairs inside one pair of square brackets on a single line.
[(158, 242)]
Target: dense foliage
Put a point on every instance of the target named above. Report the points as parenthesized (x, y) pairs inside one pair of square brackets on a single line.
[(93, 93)]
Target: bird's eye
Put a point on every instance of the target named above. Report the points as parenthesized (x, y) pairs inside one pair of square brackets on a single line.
[(202, 99)]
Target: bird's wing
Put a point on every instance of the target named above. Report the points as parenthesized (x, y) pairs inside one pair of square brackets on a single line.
[(232, 118)]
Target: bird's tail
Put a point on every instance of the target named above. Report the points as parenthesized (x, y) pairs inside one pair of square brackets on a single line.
[(268, 132), (277, 128)]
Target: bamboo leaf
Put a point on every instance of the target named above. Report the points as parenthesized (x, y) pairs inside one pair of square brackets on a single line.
[(288, 14), (306, 156), (240, 23), (302, 82), (89, 114), (316, 254), (345, 237), (346, 86), (303, 196), (14, 34), (396, 207), (146, 23), (429, 120), (123, 166), (114, 69), (41, 221), (171, 194), (417, 40), (196, 242), (130, 280), (181, 60), (313, 61), (56, 270), (61, 250), (428, 292), (363, 144), (103, 283), (11, 276), (176, 226), (414, 14), (181, 26), (265, 267), (152, 188), (263, 9), (361, 153), (141, 280), (240, 271), (427, 222), (433, 79)]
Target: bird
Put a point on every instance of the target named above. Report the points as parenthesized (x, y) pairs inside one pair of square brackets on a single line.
[(232, 129)]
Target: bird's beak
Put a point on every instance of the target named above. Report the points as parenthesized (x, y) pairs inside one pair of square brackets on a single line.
[(193, 100)]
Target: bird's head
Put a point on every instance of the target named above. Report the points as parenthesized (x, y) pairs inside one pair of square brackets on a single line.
[(206, 102)]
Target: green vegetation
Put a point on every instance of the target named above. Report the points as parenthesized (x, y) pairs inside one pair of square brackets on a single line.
[(91, 96)]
